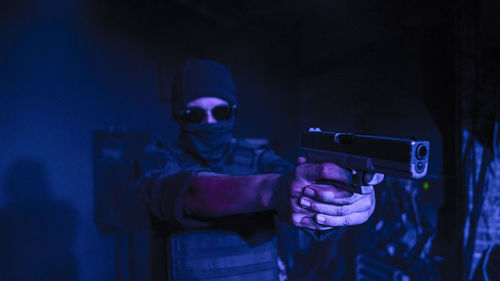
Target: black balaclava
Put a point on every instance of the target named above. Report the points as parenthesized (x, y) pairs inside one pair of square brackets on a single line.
[(203, 78)]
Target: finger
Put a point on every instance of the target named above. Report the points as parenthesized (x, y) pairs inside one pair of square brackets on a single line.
[(350, 199), (372, 178), (325, 171), (325, 193), (360, 206), (301, 160), (297, 208), (373, 203), (307, 222), (351, 219)]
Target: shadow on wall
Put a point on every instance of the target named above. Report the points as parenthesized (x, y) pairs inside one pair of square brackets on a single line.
[(37, 231)]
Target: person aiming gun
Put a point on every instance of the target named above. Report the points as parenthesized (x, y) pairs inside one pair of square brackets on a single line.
[(213, 199)]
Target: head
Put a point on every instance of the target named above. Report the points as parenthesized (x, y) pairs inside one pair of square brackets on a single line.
[(201, 79), (204, 105)]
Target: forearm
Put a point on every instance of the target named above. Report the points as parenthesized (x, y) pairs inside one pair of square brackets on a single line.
[(214, 195)]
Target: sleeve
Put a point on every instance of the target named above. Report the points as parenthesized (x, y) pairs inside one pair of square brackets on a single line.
[(162, 187)]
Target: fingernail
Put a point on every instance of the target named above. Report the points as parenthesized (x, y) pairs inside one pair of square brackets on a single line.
[(329, 196), (375, 179), (308, 192), (305, 203), (320, 219)]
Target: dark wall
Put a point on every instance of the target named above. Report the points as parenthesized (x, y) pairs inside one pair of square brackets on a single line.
[(65, 73), (60, 82), (363, 69)]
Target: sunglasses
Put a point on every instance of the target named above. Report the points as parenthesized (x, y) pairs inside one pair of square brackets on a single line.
[(196, 114)]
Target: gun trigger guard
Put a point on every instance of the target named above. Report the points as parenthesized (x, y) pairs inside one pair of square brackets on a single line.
[(358, 186)]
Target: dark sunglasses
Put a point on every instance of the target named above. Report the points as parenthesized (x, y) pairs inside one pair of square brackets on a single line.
[(196, 114)]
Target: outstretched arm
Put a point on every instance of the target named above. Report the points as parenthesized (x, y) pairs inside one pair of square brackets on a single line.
[(304, 203), (215, 195)]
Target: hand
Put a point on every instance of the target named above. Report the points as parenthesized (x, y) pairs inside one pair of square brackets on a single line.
[(322, 207)]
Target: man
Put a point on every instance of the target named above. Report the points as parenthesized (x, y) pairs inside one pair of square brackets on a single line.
[(214, 199)]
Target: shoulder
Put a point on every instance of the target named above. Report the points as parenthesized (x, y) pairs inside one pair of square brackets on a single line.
[(244, 156), (158, 145), (158, 154), (264, 157), (253, 148)]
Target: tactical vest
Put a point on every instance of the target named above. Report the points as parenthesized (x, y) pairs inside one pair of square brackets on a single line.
[(248, 252)]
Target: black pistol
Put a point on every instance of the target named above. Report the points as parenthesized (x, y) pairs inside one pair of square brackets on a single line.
[(389, 156)]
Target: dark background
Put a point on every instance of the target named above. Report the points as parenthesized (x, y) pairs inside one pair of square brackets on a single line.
[(68, 68)]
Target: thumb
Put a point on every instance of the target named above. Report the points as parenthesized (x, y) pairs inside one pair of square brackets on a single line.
[(372, 178)]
